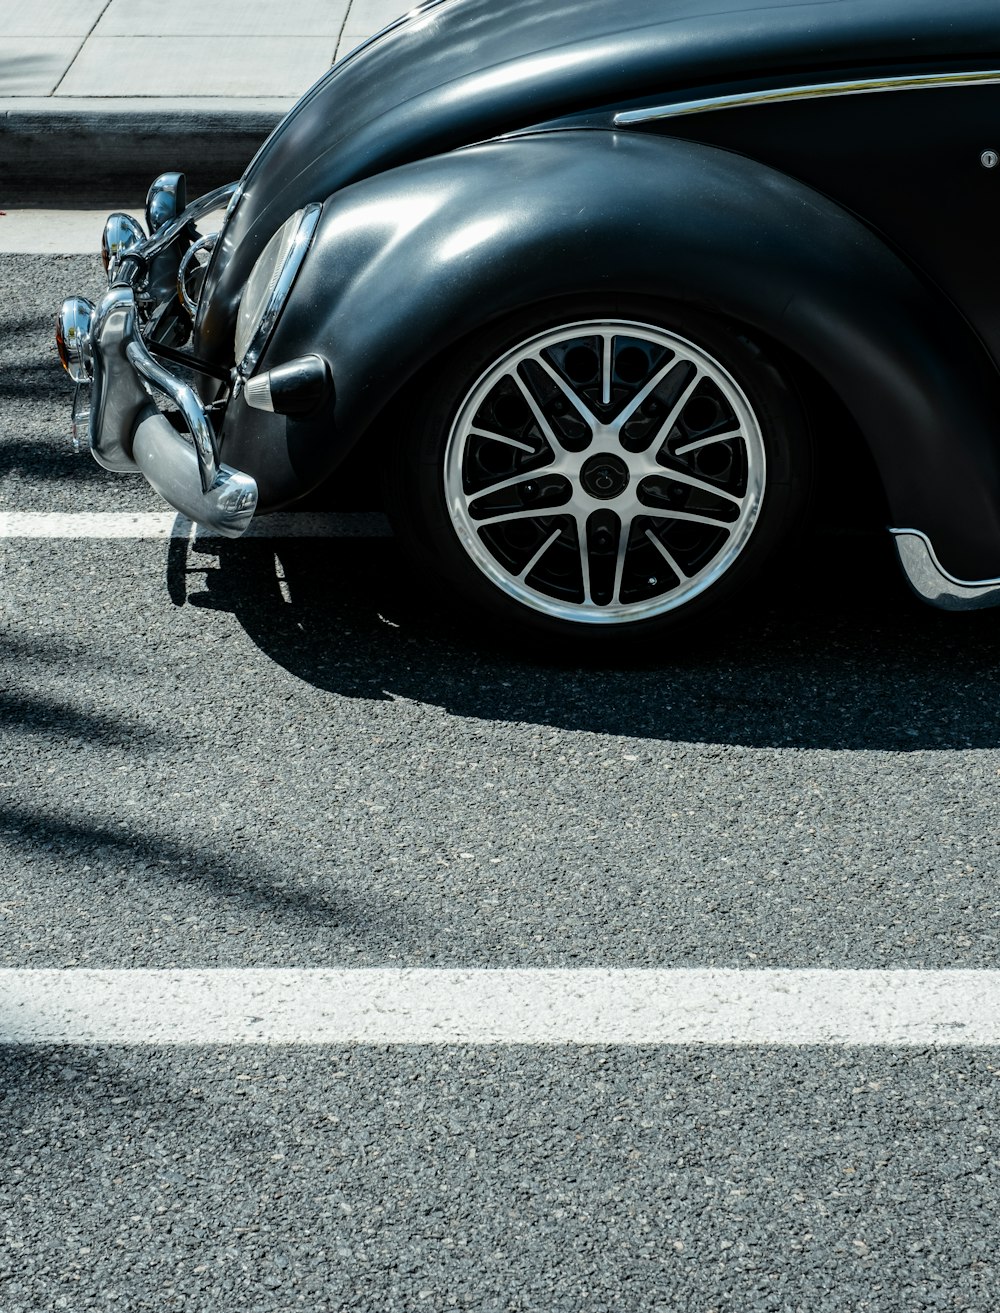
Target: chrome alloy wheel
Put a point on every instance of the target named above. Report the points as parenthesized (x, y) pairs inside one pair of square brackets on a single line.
[(604, 472)]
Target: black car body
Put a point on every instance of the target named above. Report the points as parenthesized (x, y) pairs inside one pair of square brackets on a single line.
[(572, 265)]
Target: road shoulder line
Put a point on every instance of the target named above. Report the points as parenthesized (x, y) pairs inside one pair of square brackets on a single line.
[(446, 1006)]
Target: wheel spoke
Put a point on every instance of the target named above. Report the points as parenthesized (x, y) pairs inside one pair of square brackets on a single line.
[(689, 480), (508, 517), (663, 513), (704, 442), (579, 406), (502, 437), (651, 387), (624, 533), (581, 534), (523, 574), (607, 342), (548, 432), (512, 482), (682, 575)]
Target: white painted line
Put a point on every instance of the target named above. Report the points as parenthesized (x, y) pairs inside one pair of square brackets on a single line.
[(156, 524), (54, 232), (43, 524), (679, 1007)]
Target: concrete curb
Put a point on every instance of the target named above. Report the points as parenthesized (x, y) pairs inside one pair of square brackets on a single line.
[(111, 143)]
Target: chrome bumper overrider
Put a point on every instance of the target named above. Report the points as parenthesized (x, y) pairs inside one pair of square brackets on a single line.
[(127, 432)]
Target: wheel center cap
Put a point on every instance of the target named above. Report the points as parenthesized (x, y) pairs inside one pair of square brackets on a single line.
[(604, 476)]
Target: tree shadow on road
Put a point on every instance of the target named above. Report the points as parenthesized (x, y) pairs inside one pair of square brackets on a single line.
[(98, 812)]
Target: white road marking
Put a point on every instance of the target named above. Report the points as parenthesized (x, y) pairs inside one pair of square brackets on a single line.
[(156, 524), (55, 232), (440, 1006)]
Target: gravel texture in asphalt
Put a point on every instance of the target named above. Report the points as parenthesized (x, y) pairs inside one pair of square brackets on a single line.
[(539, 1179)]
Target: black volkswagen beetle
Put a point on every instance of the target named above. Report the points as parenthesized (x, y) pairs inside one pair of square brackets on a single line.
[(586, 278)]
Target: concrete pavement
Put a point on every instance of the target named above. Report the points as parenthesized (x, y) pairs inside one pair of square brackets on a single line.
[(120, 86)]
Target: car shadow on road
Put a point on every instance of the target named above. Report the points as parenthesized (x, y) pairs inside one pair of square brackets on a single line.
[(844, 658)]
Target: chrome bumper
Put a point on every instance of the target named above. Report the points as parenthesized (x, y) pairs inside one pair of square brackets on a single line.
[(127, 432)]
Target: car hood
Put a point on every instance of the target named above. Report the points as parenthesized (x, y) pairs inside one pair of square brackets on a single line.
[(454, 72)]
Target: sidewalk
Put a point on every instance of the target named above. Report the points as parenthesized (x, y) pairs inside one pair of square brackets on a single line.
[(119, 87)]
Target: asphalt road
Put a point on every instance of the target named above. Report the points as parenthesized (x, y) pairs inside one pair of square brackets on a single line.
[(284, 754)]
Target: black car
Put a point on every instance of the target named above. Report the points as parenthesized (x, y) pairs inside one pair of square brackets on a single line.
[(587, 279)]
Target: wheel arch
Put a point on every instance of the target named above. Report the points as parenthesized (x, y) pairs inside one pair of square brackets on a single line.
[(829, 418), (408, 263)]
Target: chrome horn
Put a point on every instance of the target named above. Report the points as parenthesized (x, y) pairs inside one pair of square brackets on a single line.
[(121, 234), (165, 200), (73, 328)]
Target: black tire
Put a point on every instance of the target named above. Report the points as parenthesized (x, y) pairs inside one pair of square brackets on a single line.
[(443, 476)]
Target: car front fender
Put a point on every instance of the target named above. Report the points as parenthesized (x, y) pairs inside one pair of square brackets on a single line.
[(407, 263)]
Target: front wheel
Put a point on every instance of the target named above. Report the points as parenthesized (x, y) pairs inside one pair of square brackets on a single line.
[(604, 474)]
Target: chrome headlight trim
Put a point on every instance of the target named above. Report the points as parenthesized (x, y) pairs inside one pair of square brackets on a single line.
[(234, 200), (287, 248)]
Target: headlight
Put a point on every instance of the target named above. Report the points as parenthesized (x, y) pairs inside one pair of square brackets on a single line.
[(269, 284)]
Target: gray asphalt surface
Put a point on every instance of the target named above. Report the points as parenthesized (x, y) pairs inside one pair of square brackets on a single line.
[(196, 772)]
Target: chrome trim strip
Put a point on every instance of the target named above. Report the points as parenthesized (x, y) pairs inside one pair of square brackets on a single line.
[(814, 91), (304, 234), (931, 581)]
